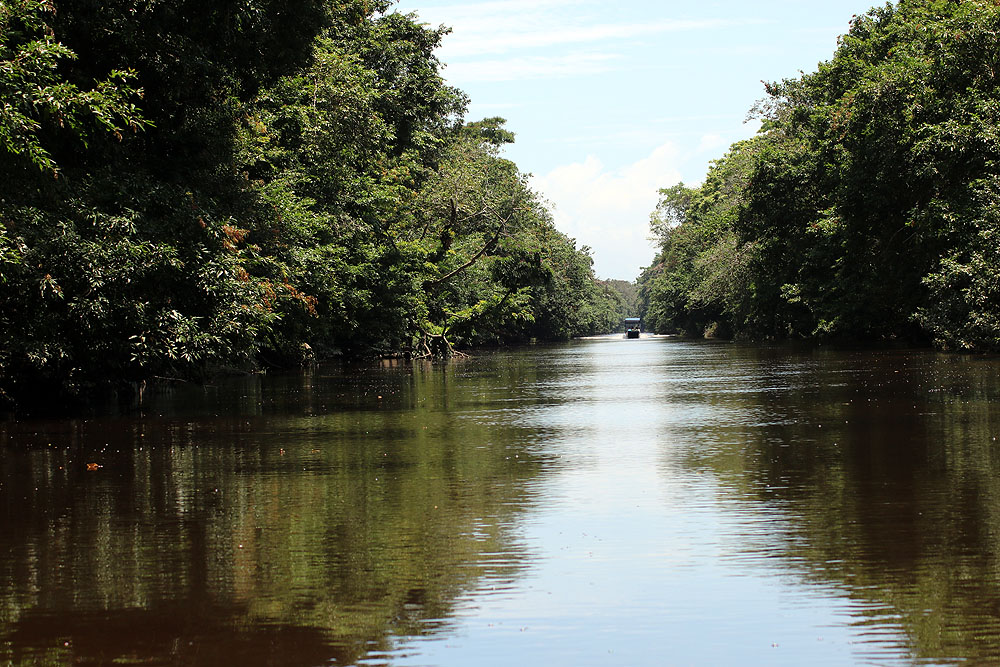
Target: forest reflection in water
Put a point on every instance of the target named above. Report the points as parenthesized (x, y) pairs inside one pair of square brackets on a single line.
[(288, 520), (600, 502)]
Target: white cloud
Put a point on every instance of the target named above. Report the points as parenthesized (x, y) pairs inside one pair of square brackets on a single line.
[(518, 26), (608, 210), (492, 37), (519, 69)]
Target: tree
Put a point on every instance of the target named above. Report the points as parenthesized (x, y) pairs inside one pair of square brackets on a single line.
[(303, 184), (35, 98), (865, 202), (699, 281), (671, 211)]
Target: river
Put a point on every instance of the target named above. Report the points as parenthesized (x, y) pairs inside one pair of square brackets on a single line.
[(600, 502)]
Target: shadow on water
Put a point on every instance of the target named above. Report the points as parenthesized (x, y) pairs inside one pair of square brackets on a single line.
[(293, 519)]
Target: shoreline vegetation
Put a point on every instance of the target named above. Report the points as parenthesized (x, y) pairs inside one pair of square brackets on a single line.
[(263, 183), (257, 184), (867, 208)]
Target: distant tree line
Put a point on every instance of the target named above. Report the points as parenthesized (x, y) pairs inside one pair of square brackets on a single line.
[(868, 206), (190, 186)]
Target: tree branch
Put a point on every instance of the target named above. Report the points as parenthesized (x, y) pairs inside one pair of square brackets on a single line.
[(475, 258)]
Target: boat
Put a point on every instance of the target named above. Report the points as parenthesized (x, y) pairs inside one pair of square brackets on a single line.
[(633, 327)]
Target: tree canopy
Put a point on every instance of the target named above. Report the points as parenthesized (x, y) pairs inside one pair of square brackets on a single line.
[(867, 206), (189, 188)]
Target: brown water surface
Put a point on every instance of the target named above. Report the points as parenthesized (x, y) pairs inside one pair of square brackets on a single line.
[(602, 502)]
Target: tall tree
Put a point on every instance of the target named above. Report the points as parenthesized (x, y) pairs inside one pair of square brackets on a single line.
[(867, 203)]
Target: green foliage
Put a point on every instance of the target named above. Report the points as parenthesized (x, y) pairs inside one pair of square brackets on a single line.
[(300, 182), (963, 308), (861, 209), (671, 211), (35, 98), (700, 278), (497, 269), (628, 299), (123, 293), (572, 303)]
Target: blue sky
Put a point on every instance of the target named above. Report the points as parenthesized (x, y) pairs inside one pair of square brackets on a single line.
[(612, 100)]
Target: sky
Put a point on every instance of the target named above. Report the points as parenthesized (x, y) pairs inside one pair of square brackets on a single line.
[(611, 101)]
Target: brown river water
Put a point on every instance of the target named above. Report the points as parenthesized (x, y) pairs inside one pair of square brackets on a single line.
[(600, 502)]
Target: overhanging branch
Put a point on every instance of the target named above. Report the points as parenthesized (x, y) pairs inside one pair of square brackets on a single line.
[(482, 251)]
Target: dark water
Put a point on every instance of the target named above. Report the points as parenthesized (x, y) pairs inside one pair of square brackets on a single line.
[(604, 502)]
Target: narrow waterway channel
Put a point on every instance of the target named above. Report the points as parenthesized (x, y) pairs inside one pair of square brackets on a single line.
[(601, 502)]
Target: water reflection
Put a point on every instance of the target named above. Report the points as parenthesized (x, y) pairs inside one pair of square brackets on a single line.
[(878, 474), (286, 521), (604, 502)]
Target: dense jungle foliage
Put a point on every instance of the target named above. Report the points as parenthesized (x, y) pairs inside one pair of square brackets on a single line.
[(190, 186), (868, 206)]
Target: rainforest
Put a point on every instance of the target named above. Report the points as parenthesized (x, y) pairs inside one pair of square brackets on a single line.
[(866, 209), (261, 184), (190, 188)]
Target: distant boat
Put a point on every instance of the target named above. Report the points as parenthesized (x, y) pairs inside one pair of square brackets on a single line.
[(633, 327)]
